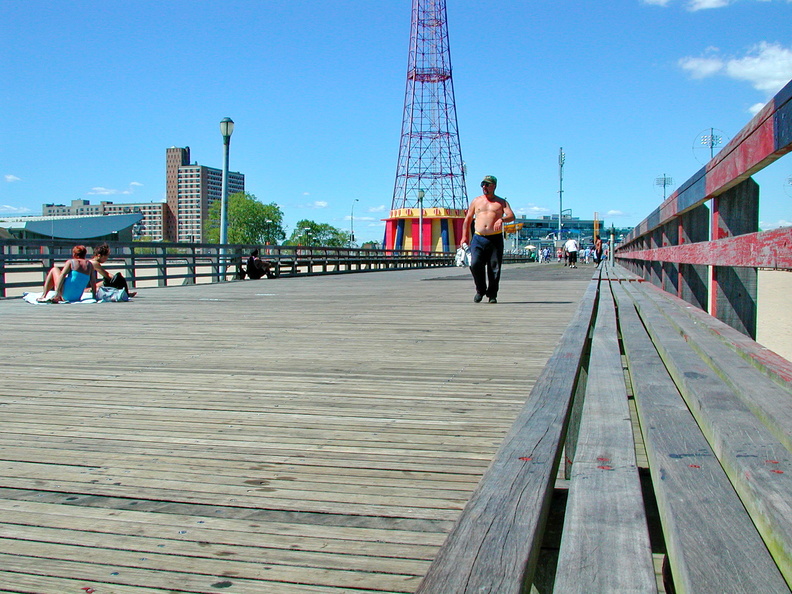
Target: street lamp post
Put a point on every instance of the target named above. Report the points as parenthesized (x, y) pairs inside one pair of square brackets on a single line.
[(352, 224), (267, 231), (561, 159), (226, 129), (421, 195)]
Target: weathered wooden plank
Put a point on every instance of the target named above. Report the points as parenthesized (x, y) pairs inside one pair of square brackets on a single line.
[(768, 401), (757, 464), (605, 544), (248, 529), (712, 543), (495, 545), (763, 249), (107, 575)]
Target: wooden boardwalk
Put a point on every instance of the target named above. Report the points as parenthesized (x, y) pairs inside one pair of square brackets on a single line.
[(316, 434)]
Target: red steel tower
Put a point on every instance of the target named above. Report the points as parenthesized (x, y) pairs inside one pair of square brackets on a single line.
[(429, 196)]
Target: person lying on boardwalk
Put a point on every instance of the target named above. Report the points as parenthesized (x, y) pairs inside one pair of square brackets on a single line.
[(117, 281), (71, 281)]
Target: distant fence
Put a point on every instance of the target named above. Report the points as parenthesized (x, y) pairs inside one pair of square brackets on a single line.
[(709, 255), (24, 263)]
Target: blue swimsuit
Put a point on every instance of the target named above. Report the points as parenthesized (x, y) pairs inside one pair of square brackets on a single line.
[(75, 285)]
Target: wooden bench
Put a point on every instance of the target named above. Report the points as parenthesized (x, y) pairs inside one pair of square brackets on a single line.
[(714, 507)]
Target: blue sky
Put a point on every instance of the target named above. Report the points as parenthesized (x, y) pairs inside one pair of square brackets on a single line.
[(92, 92)]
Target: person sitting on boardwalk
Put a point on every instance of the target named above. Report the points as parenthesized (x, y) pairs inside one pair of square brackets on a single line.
[(256, 267), (71, 281), (117, 281), (486, 214)]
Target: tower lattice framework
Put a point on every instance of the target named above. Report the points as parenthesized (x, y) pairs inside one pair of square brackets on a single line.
[(430, 173)]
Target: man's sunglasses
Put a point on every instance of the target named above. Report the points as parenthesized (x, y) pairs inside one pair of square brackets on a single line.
[(483, 184)]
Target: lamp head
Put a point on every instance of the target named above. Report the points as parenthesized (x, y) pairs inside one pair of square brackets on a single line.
[(226, 127)]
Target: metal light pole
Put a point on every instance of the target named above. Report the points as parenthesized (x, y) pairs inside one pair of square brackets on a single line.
[(421, 195), (226, 129), (268, 232), (664, 181), (561, 159), (712, 140), (352, 224)]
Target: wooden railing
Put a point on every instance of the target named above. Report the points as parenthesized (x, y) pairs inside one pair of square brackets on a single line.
[(24, 263), (709, 255)]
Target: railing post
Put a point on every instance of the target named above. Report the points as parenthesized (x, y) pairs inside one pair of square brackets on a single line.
[(128, 253), (190, 280), (162, 266), (692, 284), (5, 251), (670, 269), (734, 290), (656, 268)]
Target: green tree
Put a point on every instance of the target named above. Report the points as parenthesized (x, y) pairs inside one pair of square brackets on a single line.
[(320, 234), (249, 221)]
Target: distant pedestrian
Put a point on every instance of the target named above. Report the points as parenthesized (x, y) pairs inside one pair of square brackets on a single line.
[(486, 215), (571, 250), (597, 249)]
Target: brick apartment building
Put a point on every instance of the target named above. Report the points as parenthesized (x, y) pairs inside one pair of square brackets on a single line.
[(190, 189)]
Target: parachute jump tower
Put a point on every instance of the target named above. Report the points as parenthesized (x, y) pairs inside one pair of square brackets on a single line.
[(429, 196)]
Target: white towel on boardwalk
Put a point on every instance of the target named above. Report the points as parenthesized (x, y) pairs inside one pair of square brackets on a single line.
[(32, 297)]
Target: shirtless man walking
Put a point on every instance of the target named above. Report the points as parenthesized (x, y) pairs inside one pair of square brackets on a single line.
[(487, 213)]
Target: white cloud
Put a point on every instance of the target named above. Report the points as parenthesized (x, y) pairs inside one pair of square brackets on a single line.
[(101, 191), (756, 108), (13, 209), (532, 210), (380, 208), (766, 66), (701, 67), (780, 223), (614, 213), (12, 178), (695, 5), (319, 204)]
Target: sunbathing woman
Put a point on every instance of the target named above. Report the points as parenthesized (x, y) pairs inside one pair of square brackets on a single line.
[(72, 280)]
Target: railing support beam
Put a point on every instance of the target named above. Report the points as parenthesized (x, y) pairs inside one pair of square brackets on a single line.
[(734, 290)]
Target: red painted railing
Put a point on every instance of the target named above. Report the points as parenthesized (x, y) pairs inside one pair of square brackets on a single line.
[(703, 243)]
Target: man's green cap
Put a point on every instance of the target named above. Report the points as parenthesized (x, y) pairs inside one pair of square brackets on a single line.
[(491, 179)]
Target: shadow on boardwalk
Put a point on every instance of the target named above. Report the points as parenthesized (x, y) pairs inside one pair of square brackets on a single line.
[(300, 435)]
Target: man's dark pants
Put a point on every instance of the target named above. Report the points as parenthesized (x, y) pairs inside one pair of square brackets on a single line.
[(486, 256)]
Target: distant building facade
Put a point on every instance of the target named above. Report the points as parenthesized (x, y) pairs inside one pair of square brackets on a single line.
[(547, 228), (190, 189), (149, 227), (93, 228)]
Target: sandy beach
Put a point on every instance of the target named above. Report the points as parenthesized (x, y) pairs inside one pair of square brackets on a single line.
[(774, 326)]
